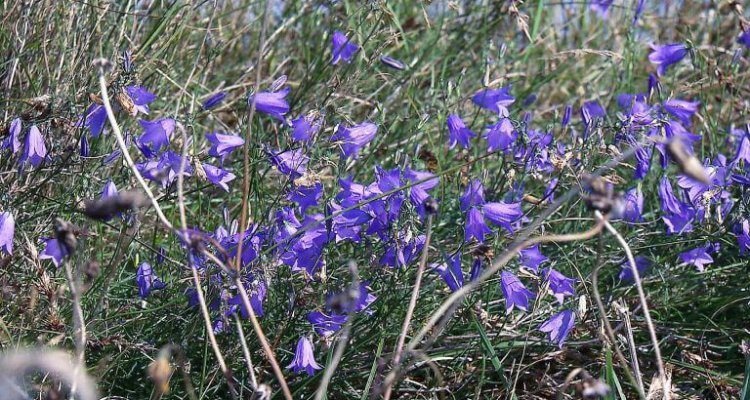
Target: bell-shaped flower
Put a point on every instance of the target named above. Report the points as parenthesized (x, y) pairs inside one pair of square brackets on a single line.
[(697, 257), (343, 48), (214, 100), (7, 231), (52, 251), (304, 128), (304, 359), (559, 326), (218, 177), (516, 294), (13, 141), (354, 138), (682, 110), (559, 284), (271, 103), (222, 144), (663, 56), (458, 132), (495, 100), (451, 272), (475, 226), (147, 281), (532, 257), (34, 150), (501, 135), (155, 135)]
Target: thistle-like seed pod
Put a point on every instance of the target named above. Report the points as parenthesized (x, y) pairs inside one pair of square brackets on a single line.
[(688, 163)]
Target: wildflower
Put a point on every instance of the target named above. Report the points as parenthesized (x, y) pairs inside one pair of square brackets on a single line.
[(354, 138), (347, 225), (601, 7), (532, 257), (590, 111), (681, 109), (53, 251), (85, 148), (516, 294), (392, 63), (642, 161), (292, 163), (304, 359), (743, 236), (476, 269), (473, 196), (697, 257), (559, 326), (13, 141), (7, 231), (496, 100), (626, 273), (343, 49), (326, 324), (502, 213), (223, 144), (257, 291), (475, 226), (94, 119), (501, 135), (141, 98), (147, 281), (306, 196), (304, 128), (638, 11), (633, 205), (669, 202), (418, 194), (109, 190), (679, 222), (34, 150), (663, 56), (743, 151), (214, 100), (559, 284), (744, 39), (156, 134), (217, 176), (566, 116), (451, 272), (271, 103)]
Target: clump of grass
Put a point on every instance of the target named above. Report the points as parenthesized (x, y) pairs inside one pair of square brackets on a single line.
[(320, 227)]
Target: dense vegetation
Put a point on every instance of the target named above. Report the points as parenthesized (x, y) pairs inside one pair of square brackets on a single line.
[(350, 199)]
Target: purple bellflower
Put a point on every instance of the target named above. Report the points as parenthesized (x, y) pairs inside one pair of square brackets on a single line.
[(304, 359), (501, 135), (214, 100), (391, 62), (601, 7), (559, 326), (354, 138), (223, 144), (473, 195), (742, 232), (292, 163), (94, 119), (532, 257), (516, 294), (7, 231), (141, 98), (304, 128), (663, 56), (219, 177), (306, 196), (502, 214), (633, 210), (475, 226), (155, 135), (495, 100), (697, 257), (52, 251), (451, 272), (34, 150), (271, 103), (743, 151), (147, 281), (559, 284), (458, 132), (682, 110), (744, 39), (13, 141), (343, 48), (626, 273), (326, 324)]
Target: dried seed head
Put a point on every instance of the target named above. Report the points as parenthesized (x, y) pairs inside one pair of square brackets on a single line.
[(106, 208), (688, 163), (123, 98), (431, 206), (65, 233), (159, 371), (96, 99)]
